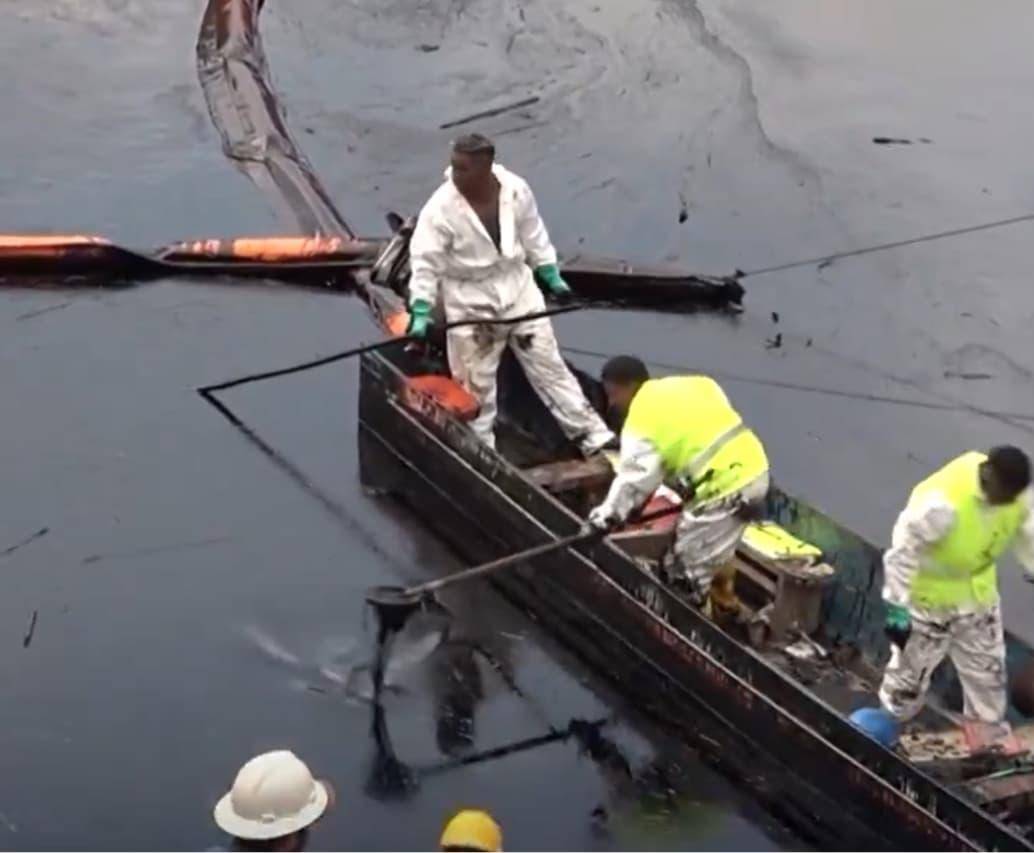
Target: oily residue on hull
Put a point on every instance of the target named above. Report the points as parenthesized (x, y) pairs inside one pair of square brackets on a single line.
[(234, 75)]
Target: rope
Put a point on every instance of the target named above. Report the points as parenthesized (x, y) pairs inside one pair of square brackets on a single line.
[(817, 389), (207, 391), (824, 260)]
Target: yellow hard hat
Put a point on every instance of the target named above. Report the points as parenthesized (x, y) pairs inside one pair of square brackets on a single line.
[(472, 829)]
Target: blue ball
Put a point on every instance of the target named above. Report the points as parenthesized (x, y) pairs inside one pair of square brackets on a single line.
[(878, 724)]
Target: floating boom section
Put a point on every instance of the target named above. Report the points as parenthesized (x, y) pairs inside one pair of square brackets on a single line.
[(234, 76)]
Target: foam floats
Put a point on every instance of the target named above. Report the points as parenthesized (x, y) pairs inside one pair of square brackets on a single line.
[(333, 262)]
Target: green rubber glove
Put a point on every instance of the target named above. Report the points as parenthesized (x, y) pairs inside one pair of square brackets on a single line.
[(549, 275), (897, 624), (419, 318)]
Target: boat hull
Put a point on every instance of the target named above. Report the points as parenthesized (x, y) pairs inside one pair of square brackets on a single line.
[(672, 662)]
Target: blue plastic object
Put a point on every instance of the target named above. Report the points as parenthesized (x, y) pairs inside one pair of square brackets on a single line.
[(878, 724)]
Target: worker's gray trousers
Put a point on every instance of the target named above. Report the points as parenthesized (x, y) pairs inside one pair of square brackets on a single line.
[(706, 537), (976, 645)]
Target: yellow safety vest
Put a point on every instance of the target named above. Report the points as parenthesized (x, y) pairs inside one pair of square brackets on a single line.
[(960, 569), (697, 433)]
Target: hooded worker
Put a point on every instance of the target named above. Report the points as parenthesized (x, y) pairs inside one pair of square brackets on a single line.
[(478, 239), (683, 431), (940, 581)]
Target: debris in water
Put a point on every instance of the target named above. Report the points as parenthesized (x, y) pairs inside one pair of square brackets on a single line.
[(890, 140), (774, 343), (825, 264), (159, 549), (808, 342), (527, 102), (952, 374), (32, 629), (520, 128), (30, 314), (428, 48), (43, 531), (683, 209)]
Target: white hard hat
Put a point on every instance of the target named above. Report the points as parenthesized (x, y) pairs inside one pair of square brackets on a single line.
[(274, 794)]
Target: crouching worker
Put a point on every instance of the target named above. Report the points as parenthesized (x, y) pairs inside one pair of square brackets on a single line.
[(682, 431)]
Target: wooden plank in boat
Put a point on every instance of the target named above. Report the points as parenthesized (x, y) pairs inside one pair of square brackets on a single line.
[(1011, 789), (648, 543), (570, 474)]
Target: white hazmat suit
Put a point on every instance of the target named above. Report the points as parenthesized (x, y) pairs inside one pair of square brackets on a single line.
[(970, 634), (452, 249)]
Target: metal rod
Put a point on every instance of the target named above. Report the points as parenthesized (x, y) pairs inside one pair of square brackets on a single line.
[(521, 556)]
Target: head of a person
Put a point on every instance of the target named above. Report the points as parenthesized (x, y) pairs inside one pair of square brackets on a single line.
[(622, 377), (272, 803), (472, 829), (471, 161), (1005, 474)]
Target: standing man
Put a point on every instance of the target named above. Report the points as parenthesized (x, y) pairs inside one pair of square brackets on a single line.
[(478, 238), (940, 581), (682, 430)]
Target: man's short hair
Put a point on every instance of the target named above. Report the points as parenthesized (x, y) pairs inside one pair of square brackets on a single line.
[(474, 143), (1011, 465), (625, 370)]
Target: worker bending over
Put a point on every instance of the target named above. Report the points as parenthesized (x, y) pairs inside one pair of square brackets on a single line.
[(475, 239), (682, 430), (940, 581)]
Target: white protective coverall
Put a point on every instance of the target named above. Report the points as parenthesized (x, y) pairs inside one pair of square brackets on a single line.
[(970, 634), (451, 248), (706, 535)]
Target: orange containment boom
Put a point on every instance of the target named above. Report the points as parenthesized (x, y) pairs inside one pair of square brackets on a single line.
[(290, 251), (78, 255), (337, 263), (66, 255)]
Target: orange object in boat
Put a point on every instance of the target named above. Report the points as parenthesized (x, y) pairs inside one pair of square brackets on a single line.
[(660, 525), (397, 323), (446, 392)]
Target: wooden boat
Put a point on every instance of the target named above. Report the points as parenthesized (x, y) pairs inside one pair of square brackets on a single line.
[(783, 682)]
